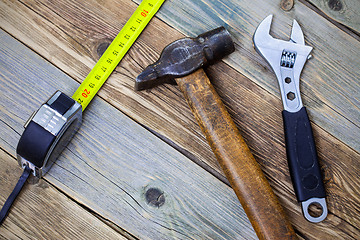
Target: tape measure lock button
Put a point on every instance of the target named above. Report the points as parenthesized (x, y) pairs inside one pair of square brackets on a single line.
[(47, 132)]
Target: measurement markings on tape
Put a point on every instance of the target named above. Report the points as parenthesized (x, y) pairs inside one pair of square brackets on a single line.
[(52, 126), (116, 51)]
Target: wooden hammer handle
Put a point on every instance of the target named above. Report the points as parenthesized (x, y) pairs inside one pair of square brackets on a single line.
[(241, 169)]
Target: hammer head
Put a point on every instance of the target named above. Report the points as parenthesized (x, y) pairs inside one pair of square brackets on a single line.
[(185, 56)]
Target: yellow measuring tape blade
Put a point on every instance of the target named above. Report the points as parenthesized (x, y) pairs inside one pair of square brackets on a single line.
[(116, 51)]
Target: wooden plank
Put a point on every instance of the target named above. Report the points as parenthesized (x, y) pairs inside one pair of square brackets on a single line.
[(127, 70), (329, 80), (346, 12), (268, 147), (51, 38), (42, 212), (112, 163), (164, 111)]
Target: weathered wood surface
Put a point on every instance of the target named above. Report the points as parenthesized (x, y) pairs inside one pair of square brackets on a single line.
[(329, 81), (69, 33), (42, 212), (346, 12), (345, 124), (110, 166)]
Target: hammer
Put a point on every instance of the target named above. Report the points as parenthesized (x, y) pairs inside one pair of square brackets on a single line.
[(182, 61)]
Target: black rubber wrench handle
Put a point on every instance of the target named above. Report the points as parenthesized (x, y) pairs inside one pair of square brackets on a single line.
[(303, 162)]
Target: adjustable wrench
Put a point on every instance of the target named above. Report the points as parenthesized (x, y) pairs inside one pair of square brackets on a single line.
[(287, 59)]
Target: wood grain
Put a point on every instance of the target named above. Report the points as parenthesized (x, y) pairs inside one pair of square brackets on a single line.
[(264, 134), (346, 12), (240, 167), (68, 34), (113, 164), (42, 212), (328, 82)]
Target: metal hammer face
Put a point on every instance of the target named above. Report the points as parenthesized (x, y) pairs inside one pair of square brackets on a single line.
[(185, 56)]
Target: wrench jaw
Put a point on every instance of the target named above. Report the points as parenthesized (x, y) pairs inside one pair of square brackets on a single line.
[(286, 58), (297, 35)]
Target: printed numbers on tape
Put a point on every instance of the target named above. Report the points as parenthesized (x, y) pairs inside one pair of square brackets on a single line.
[(116, 51)]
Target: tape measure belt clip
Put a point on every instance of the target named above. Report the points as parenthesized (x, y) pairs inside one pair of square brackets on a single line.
[(47, 132)]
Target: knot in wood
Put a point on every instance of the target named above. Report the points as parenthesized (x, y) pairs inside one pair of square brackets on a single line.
[(155, 197), (335, 5), (287, 5), (102, 48)]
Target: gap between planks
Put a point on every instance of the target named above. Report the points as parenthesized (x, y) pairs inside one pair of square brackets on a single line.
[(224, 94), (177, 147), (108, 222), (345, 14), (316, 82), (23, 219), (116, 173)]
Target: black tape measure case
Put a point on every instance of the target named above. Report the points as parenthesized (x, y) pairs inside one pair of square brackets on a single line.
[(47, 132), (52, 126)]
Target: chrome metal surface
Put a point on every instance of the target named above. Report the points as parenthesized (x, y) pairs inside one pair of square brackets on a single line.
[(63, 127), (49, 119), (306, 205), (296, 54)]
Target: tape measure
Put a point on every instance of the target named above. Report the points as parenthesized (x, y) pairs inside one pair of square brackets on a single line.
[(116, 51), (52, 126)]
